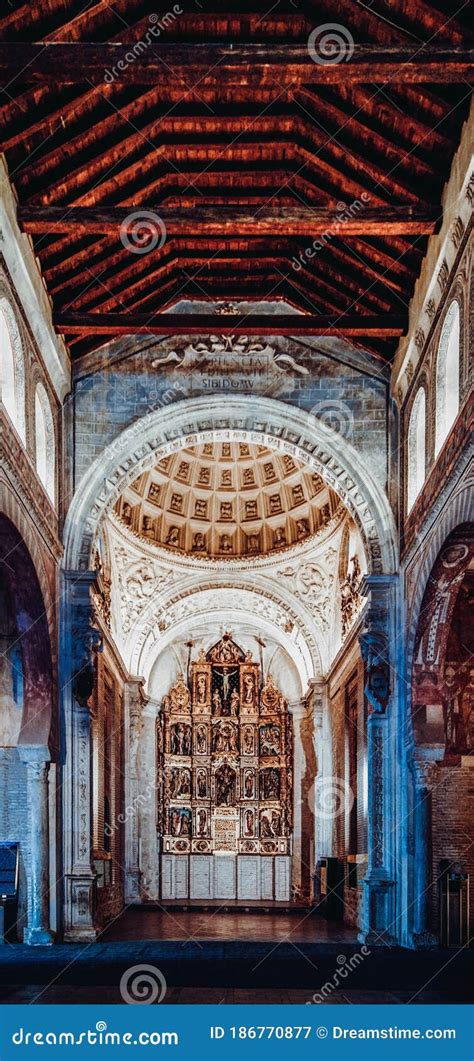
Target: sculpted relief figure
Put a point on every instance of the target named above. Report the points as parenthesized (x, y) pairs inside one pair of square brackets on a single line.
[(179, 822), (226, 786), (180, 739), (270, 824), (269, 739), (234, 702), (199, 543), (180, 782), (201, 784), (249, 829), (249, 690), (279, 538), (202, 822), (350, 596), (374, 652), (201, 689), (270, 783), (225, 738), (172, 538), (201, 740), (248, 743), (249, 785)]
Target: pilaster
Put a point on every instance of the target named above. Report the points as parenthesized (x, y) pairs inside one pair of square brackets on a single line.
[(133, 702), (376, 644), (79, 642)]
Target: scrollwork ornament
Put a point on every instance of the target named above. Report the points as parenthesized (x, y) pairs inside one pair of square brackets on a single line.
[(374, 651)]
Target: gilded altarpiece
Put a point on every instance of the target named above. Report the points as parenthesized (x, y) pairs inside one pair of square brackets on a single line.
[(226, 760)]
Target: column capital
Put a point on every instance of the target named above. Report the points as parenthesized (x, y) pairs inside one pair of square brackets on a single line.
[(378, 583), (152, 708), (425, 773), (79, 577), (299, 709), (38, 771), (34, 755), (134, 700), (135, 680)]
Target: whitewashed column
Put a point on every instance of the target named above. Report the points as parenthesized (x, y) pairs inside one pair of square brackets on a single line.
[(38, 933), (149, 778), (322, 737), (133, 720), (79, 640), (304, 768)]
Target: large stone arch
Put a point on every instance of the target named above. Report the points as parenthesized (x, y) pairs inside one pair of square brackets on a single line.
[(14, 512), (458, 511), (264, 421), (38, 722), (434, 623)]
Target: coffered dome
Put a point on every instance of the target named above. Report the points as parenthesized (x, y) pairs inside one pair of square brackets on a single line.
[(227, 499)]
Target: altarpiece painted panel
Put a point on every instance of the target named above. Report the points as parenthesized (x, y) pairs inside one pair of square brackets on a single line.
[(227, 758)]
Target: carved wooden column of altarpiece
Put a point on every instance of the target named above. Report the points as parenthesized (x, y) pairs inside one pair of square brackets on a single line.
[(227, 755)]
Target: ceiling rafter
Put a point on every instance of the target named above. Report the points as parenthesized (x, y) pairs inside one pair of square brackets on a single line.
[(246, 164), (216, 63), (231, 324)]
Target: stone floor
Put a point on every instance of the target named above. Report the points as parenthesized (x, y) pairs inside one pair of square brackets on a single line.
[(39, 994), (215, 922), (211, 956)]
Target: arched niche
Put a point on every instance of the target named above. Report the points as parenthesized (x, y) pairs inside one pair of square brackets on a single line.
[(447, 375), (438, 696), (12, 368), (45, 449), (29, 650), (416, 448)]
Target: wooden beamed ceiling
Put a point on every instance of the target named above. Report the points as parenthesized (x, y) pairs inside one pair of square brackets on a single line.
[(220, 160)]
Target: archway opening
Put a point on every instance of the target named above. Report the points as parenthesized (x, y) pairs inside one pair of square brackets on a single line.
[(443, 721), (244, 520), (27, 736), (222, 537)]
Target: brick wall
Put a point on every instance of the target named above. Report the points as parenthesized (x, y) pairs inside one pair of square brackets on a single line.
[(14, 819), (115, 395), (347, 674), (453, 806)]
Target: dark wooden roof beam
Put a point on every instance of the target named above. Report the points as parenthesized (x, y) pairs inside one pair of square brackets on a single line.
[(209, 221), (212, 324), (251, 64)]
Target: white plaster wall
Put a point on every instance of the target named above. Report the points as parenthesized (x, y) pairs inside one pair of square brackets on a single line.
[(17, 249)]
